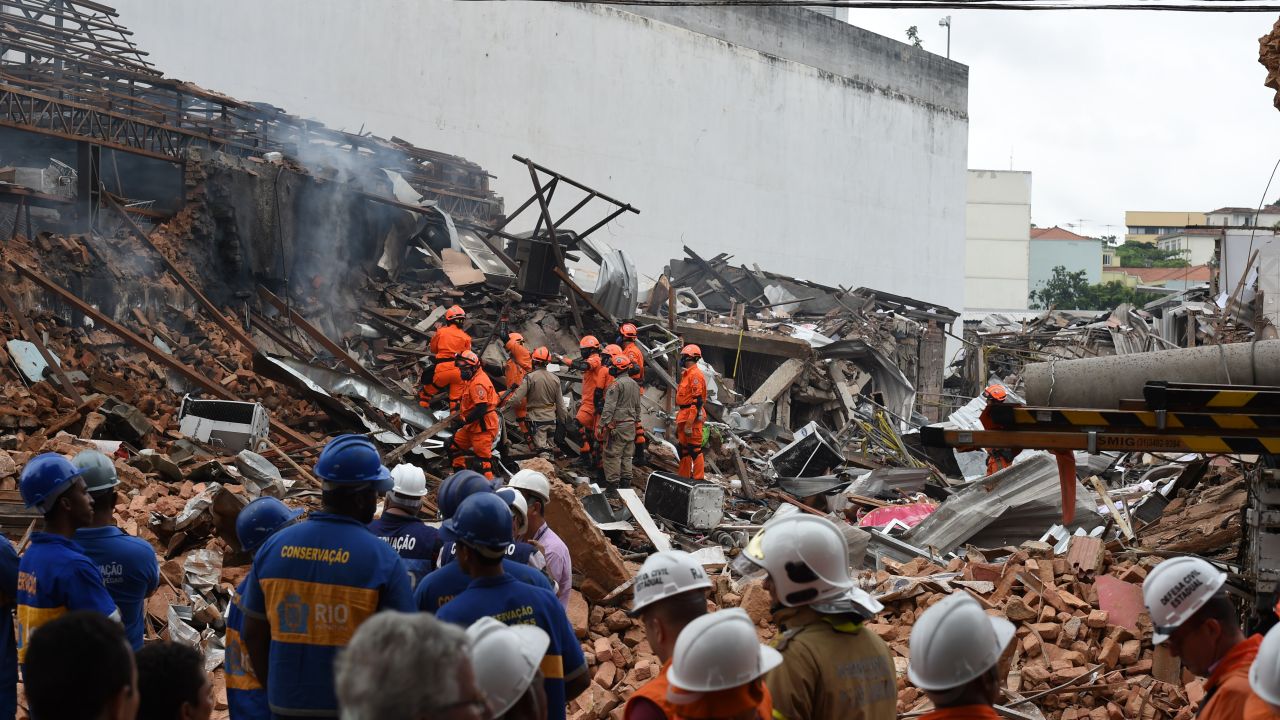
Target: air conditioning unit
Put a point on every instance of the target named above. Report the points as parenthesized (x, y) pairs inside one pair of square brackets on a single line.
[(228, 424)]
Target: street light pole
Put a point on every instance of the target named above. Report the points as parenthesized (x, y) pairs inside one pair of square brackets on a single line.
[(946, 23)]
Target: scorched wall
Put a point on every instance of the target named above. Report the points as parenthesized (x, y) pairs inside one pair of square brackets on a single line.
[(791, 140)]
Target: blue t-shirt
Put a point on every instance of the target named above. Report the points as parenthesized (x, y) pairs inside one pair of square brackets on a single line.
[(55, 577), (417, 542), (519, 552), (515, 603), (130, 572), (447, 582), (8, 651), (315, 583), (246, 698)]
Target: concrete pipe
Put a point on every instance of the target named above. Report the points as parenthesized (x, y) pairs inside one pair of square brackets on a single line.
[(1103, 382)]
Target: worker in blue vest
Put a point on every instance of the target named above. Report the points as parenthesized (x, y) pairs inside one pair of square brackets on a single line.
[(417, 543), (246, 697), (55, 577), (482, 531), (314, 583), (128, 564), (8, 651), (450, 579)]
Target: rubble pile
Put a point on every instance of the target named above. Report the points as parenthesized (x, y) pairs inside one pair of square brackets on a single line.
[(1082, 648)]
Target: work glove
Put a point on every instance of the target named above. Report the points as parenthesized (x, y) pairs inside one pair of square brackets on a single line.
[(639, 457)]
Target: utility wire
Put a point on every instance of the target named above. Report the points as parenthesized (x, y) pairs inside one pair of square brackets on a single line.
[(1211, 6)]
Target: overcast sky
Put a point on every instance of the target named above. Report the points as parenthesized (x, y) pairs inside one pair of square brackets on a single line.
[(1112, 111)]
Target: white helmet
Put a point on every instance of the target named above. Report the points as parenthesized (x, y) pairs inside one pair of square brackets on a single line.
[(954, 642), (665, 574), (533, 481), (1264, 674), (806, 558), (717, 652), (519, 506), (1176, 589), (408, 481), (506, 659)]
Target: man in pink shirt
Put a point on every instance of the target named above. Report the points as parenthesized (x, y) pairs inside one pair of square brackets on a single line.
[(537, 493)]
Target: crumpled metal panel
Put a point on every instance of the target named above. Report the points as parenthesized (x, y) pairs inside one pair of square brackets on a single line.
[(899, 393), (29, 361), (1014, 505), (617, 283)]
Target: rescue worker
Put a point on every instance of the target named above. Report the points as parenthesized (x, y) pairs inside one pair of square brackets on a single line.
[(128, 564), (670, 592), (631, 346), (1192, 612), (482, 530), (507, 660), (690, 397), (832, 667), (536, 489), (616, 428), (8, 650), (55, 577), (417, 543), (955, 658), (718, 667), (477, 425), (314, 583), (997, 458), (595, 376), (519, 364), (539, 393), (246, 697), (449, 341), (1264, 680), (449, 579)]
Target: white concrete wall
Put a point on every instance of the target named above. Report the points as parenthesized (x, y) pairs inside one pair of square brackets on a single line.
[(997, 240), (846, 166)]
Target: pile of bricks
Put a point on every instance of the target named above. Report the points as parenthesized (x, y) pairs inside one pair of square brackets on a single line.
[(1083, 645)]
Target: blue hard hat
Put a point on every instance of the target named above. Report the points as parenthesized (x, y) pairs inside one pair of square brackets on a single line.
[(260, 520), (352, 460), (458, 487), (483, 521), (45, 478)]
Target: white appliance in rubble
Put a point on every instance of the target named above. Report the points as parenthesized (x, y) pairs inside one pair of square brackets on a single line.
[(229, 424)]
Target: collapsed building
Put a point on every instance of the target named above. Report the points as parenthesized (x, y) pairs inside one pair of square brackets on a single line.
[(206, 289)]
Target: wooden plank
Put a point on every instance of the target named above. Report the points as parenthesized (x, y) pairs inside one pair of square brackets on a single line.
[(753, 342), (659, 539), (459, 268), (1121, 519), (779, 382), (843, 390)]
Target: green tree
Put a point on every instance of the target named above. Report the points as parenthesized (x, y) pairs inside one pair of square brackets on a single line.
[(913, 34), (1143, 255), (1072, 291)]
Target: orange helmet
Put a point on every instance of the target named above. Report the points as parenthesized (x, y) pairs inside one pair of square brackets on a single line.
[(629, 331), (467, 359), (515, 337), (612, 350), (996, 393), (455, 313), (622, 361), (542, 354), (691, 350), (589, 341)]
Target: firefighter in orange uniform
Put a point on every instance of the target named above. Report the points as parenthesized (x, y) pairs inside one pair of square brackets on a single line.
[(631, 346), (595, 378), (690, 397), (519, 364), (997, 458), (446, 344), (477, 423)]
